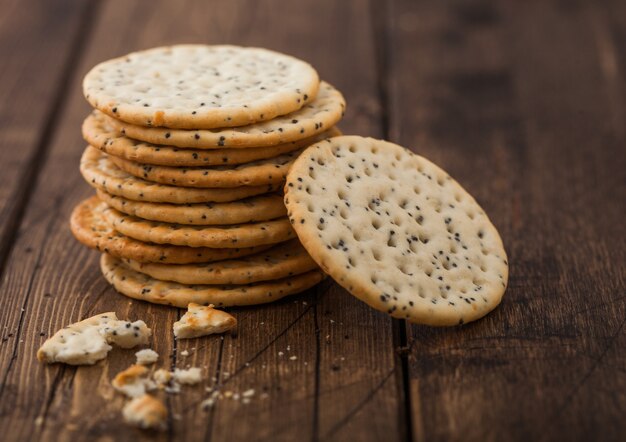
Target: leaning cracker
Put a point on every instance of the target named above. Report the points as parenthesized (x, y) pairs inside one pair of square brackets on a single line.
[(253, 209), (396, 231), (199, 86), (280, 261), (100, 172), (269, 171), (142, 287), (98, 132), (314, 118), (200, 320), (230, 236), (89, 225)]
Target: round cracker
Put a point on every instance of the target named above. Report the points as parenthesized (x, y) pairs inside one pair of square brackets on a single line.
[(281, 261), (253, 209), (90, 227), (256, 173), (396, 231), (199, 86), (142, 287), (99, 133), (323, 112), (231, 236), (100, 172)]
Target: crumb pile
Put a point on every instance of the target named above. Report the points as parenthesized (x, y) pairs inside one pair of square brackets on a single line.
[(189, 148)]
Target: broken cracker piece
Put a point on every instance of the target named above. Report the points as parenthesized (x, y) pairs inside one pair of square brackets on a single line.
[(200, 320), (81, 343)]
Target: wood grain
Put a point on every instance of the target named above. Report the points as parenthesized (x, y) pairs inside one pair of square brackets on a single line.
[(309, 393), (523, 102), (37, 50), (514, 101)]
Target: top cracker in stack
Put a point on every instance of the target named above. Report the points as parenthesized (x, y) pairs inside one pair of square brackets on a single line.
[(188, 146)]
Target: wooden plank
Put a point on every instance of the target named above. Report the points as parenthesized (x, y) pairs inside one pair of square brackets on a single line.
[(37, 44), (51, 280), (57, 281), (513, 100)]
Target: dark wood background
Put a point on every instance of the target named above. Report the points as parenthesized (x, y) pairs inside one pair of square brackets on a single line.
[(524, 102)]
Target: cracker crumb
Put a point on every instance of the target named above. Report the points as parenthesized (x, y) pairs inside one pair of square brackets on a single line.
[(134, 381), (146, 356), (190, 376), (145, 412)]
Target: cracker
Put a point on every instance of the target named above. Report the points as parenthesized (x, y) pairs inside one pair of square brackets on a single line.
[(200, 320), (199, 86), (281, 261), (142, 287), (325, 111), (90, 227), (100, 172), (396, 231), (253, 209), (98, 132), (231, 236), (269, 171)]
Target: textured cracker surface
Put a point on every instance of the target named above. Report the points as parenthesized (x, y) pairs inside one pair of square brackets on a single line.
[(229, 236), (89, 225), (198, 86), (281, 261), (396, 231), (98, 132), (256, 173), (320, 114), (253, 209), (100, 173), (142, 287)]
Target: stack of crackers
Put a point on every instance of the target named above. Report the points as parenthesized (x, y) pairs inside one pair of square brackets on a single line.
[(189, 148)]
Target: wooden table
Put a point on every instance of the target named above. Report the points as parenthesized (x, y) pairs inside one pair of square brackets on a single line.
[(524, 102)]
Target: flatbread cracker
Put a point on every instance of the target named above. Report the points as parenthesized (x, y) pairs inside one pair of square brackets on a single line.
[(270, 171), (281, 261), (99, 132), (89, 225), (253, 209), (100, 173), (231, 236), (396, 231), (142, 287), (199, 86), (315, 117)]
